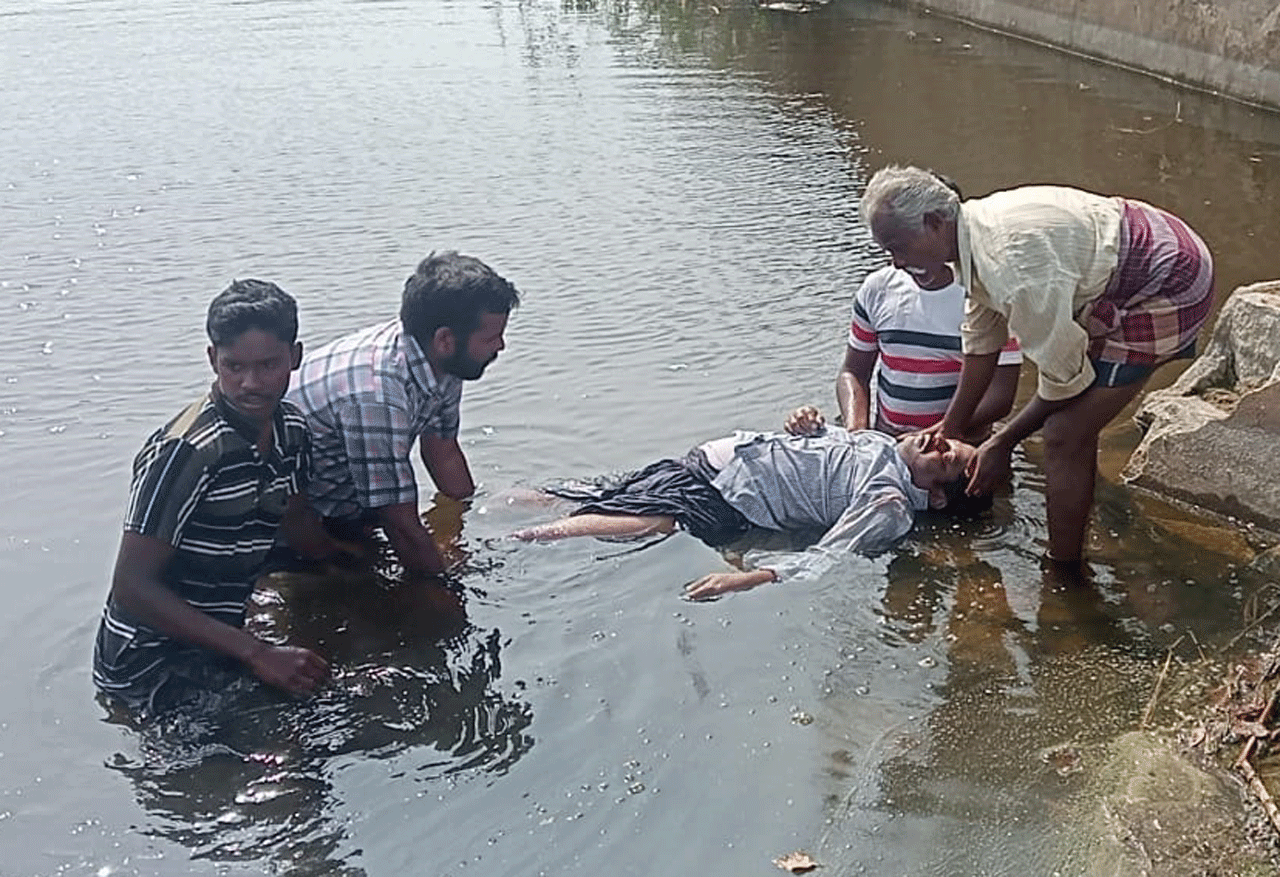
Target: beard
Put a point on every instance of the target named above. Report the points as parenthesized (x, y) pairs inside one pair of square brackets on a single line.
[(463, 366)]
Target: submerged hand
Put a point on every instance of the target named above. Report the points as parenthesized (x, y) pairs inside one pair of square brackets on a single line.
[(805, 420), (293, 668), (989, 468), (718, 583)]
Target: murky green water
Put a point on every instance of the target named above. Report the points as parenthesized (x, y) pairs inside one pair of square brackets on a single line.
[(673, 187)]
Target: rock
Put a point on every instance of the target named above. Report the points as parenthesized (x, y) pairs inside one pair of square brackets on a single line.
[(1211, 436), (1149, 811)]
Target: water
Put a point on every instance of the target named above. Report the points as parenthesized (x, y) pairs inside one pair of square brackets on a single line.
[(673, 187)]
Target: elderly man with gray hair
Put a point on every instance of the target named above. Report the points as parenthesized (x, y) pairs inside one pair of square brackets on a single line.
[(1099, 290)]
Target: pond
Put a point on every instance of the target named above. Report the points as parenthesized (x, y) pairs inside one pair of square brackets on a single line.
[(673, 187)]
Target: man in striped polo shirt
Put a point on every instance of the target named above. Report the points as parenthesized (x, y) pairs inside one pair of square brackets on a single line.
[(210, 490)]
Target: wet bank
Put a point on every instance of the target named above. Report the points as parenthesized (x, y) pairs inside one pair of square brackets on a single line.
[(1229, 48), (673, 188)]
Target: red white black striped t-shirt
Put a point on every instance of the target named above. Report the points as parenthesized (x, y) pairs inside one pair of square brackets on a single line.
[(917, 334)]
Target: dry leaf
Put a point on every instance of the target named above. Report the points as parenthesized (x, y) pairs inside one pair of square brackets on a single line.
[(798, 862)]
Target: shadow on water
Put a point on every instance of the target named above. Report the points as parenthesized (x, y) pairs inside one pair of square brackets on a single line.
[(248, 774)]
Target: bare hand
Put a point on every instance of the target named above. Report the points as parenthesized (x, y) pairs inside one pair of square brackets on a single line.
[(989, 468), (805, 420), (711, 586), (293, 668)]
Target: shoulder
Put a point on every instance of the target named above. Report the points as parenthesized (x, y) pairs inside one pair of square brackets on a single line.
[(195, 439), (296, 429)]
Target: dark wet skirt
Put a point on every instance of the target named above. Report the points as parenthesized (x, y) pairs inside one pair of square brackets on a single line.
[(680, 489)]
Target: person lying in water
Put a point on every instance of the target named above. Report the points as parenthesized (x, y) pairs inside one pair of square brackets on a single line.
[(863, 487)]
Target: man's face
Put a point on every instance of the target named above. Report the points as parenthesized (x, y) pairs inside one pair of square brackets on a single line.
[(253, 372), (934, 460), (923, 253), (469, 360)]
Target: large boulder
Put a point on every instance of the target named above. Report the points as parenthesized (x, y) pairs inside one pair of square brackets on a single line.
[(1212, 436)]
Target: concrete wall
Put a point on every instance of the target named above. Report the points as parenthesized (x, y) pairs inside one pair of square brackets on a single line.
[(1226, 46)]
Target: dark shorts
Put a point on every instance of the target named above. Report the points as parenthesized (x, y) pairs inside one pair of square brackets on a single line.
[(680, 489)]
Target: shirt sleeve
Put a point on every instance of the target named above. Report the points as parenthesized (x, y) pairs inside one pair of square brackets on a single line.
[(378, 439), (169, 480), (1038, 296), (862, 332), (444, 421), (869, 526)]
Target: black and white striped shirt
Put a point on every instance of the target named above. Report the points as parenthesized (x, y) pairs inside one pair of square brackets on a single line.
[(200, 485)]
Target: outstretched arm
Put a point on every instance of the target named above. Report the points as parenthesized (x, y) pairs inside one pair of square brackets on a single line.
[(412, 541), (447, 466), (137, 587), (997, 402), (975, 377), (713, 585)]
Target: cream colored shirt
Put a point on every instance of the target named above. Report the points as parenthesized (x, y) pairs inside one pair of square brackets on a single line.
[(1041, 254)]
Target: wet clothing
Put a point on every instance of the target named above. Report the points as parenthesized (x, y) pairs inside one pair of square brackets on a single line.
[(368, 397), (853, 485), (200, 485), (916, 333), (1038, 261), (680, 489)]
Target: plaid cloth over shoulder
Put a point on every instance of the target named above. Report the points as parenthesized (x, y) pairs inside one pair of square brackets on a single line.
[(367, 397)]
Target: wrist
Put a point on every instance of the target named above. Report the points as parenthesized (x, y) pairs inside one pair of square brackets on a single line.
[(253, 650)]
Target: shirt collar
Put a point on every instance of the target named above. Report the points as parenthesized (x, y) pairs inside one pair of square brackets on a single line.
[(417, 364), (244, 426)]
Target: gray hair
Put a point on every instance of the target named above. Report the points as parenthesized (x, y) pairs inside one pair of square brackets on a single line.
[(899, 197)]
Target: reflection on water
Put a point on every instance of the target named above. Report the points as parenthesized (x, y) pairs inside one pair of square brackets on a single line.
[(246, 774)]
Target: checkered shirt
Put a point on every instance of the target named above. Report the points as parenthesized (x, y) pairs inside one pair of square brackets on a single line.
[(367, 397)]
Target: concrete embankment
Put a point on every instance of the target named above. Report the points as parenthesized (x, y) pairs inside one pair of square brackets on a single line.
[(1231, 47)]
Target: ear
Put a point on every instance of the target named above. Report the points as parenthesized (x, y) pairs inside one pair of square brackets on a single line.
[(937, 497), (933, 221), (213, 358), (443, 341), (296, 360)]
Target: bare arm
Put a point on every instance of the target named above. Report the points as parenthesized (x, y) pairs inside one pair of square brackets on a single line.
[(412, 541), (715, 584), (137, 587), (853, 387), (997, 402), (975, 377), (991, 464), (447, 466)]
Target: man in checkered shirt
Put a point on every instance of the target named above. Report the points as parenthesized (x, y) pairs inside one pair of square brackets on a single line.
[(369, 397)]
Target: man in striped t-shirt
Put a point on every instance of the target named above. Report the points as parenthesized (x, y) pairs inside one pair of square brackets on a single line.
[(905, 331), (210, 490)]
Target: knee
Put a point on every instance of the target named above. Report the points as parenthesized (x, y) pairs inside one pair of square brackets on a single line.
[(1065, 437)]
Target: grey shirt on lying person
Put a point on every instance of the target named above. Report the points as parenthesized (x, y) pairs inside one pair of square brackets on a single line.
[(854, 484)]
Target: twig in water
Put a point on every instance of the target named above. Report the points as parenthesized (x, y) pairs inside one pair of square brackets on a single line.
[(1155, 693), (1250, 626)]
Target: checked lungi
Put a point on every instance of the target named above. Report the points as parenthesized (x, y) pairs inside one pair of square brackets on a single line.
[(1159, 295)]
